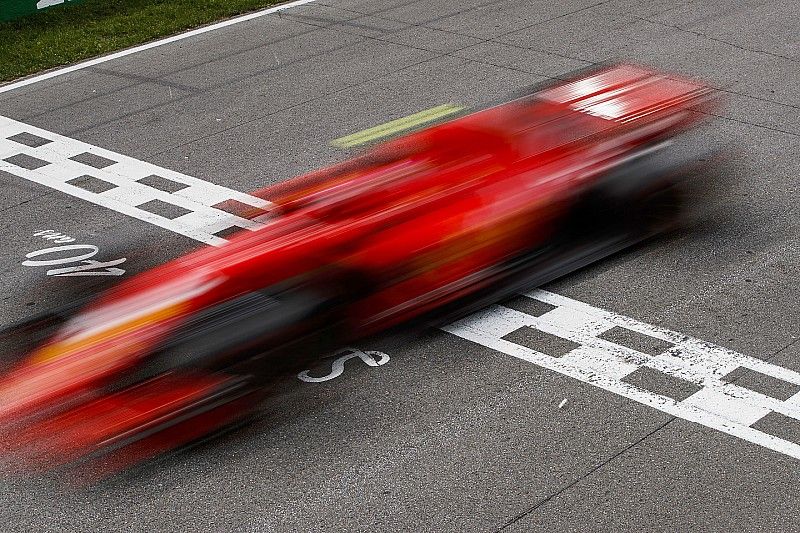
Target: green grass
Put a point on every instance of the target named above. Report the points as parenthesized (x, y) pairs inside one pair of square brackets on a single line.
[(72, 32)]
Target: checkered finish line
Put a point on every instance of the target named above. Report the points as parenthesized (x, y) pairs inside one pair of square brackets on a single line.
[(677, 374), (183, 204), (674, 373)]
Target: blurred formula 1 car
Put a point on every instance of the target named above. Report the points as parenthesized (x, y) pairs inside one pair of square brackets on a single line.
[(425, 227)]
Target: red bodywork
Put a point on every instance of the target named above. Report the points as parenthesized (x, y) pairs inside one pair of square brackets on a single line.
[(422, 221)]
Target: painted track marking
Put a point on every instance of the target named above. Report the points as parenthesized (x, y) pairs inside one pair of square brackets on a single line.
[(160, 42), (395, 126), (120, 183), (716, 403), (50, 159), (370, 358)]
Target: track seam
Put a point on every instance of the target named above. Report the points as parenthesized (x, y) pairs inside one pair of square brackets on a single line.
[(619, 453), (582, 477)]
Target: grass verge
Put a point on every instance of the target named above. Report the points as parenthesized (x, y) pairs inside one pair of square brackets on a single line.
[(72, 32)]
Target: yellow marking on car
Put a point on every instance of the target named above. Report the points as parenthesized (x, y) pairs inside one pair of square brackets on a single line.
[(395, 126), (69, 346)]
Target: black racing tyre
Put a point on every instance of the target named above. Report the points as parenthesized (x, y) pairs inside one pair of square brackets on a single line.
[(641, 197), (18, 339), (258, 334)]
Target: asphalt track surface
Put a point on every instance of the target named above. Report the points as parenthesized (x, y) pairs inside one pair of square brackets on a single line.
[(448, 434)]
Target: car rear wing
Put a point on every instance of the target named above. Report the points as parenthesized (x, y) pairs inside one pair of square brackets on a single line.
[(625, 93), (642, 102)]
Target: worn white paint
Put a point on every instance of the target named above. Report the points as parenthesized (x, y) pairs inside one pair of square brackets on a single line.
[(54, 236), (160, 42), (718, 404), (200, 222)]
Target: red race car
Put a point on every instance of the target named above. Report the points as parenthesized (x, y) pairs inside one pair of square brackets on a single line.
[(422, 228)]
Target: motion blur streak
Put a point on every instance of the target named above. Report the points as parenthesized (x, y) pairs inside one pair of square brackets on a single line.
[(419, 230)]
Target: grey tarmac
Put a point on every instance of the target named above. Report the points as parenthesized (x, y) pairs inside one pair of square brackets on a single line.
[(448, 435)]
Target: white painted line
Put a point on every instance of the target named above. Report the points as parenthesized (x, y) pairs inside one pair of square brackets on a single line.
[(717, 404), (147, 46), (120, 189)]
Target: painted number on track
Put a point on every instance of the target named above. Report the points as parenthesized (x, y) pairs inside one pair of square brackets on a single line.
[(370, 358), (76, 253)]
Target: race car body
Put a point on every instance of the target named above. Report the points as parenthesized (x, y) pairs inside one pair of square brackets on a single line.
[(421, 228)]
